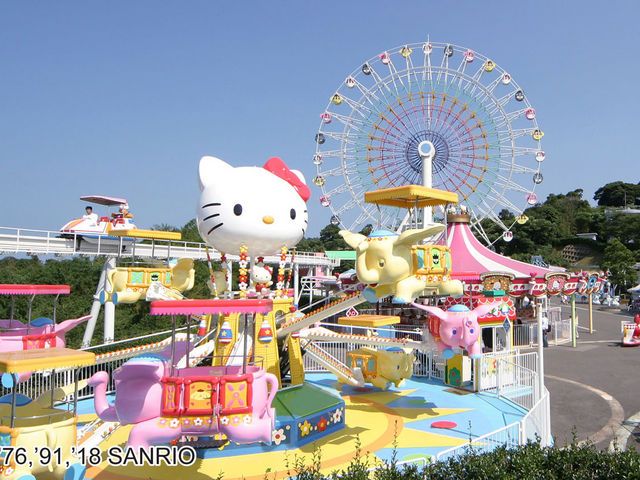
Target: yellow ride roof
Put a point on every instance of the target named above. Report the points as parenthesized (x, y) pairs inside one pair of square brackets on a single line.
[(44, 359), (151, 234), (369, 320), (410, 196)]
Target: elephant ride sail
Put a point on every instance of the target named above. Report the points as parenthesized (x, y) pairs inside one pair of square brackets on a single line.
[(38, 436), (167, 400)]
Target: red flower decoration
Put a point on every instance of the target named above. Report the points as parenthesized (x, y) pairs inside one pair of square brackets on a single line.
[(322, 424)]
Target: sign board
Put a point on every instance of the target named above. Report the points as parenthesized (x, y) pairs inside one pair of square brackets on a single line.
[(506, 325), (352, 312)]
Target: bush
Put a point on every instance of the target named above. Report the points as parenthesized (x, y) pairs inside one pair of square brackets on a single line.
[(529, 461)]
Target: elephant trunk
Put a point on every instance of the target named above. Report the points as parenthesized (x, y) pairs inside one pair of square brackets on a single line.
[(105, 411), (67, 325), (365, 274)]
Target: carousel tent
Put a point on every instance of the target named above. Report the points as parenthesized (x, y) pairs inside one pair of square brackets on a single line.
[(471, 258)]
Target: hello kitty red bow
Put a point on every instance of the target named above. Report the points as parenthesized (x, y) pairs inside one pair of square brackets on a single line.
[(278, 168)]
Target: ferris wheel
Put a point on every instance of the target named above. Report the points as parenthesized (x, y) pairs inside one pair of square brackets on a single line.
[(474, 114)]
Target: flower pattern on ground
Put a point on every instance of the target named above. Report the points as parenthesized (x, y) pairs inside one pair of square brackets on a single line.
[(224, 420), (197, 422), (305, 428), (174, 423), (322, 424), (278, 436)]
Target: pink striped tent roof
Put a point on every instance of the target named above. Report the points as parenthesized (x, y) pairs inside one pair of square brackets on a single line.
[(471, 258)]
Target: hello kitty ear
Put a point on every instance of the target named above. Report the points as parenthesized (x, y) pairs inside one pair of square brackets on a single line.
[(210, 168), (299, 174)]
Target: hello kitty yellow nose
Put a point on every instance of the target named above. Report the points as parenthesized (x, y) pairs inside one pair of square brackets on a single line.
[(267, 219)]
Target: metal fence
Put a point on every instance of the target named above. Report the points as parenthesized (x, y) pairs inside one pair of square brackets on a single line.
[(41, 382), (507, 436), (488, 366), (519, 385), (427, 364), (526, 335), (535, 424)]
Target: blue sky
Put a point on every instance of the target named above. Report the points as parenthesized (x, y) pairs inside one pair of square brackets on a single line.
[(123, 98)]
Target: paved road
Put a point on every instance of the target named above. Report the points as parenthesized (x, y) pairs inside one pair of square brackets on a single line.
[(595, 387)]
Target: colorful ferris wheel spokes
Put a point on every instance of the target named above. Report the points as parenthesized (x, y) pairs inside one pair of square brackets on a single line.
[(485, 134)]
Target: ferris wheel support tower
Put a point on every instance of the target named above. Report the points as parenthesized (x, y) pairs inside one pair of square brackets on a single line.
[(427, 152)]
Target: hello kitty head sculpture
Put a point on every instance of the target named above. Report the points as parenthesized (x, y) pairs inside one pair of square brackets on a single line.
[(262, 208)]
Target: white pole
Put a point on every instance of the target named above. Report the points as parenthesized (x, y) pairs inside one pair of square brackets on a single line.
[(427, 153), (109, 263), (540, 348), (109, 321)]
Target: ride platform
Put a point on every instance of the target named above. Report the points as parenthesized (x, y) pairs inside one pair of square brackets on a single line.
[(410, 196), (374, 420), (44, 359), (146, 234), (370, 321)]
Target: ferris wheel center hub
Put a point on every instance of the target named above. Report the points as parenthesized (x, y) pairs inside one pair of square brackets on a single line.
[(426, 150)]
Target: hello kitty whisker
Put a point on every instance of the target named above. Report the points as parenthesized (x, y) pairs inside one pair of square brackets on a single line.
[(213, 228), (210, 216), (211, 205)]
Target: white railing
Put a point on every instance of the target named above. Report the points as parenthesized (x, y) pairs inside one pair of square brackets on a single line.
[(517, 384), (526, 335), (41, 382), (515, 379), (487, 366), (507, 436), (427, 363), (535, 424), (43, 242)]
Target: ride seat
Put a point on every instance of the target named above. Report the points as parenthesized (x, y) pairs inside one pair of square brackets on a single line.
[(41, 322)]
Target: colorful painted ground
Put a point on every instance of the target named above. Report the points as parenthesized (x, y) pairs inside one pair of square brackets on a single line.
[(374, 419)]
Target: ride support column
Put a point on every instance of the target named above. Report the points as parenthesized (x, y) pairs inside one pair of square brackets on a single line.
[(574, 323)]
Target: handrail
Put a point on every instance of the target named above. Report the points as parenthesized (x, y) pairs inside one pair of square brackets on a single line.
[(481, 439), (17, 240)]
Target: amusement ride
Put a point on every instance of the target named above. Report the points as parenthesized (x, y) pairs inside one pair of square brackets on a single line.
[(479, 122), (412, 133)]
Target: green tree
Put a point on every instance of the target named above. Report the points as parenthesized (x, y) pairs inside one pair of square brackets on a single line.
[(619, 261), (617, 194), (331, 239)]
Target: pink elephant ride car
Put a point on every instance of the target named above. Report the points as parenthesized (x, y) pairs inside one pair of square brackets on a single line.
[(163, 402), (457, 327), (42, 332), (198, 401)]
